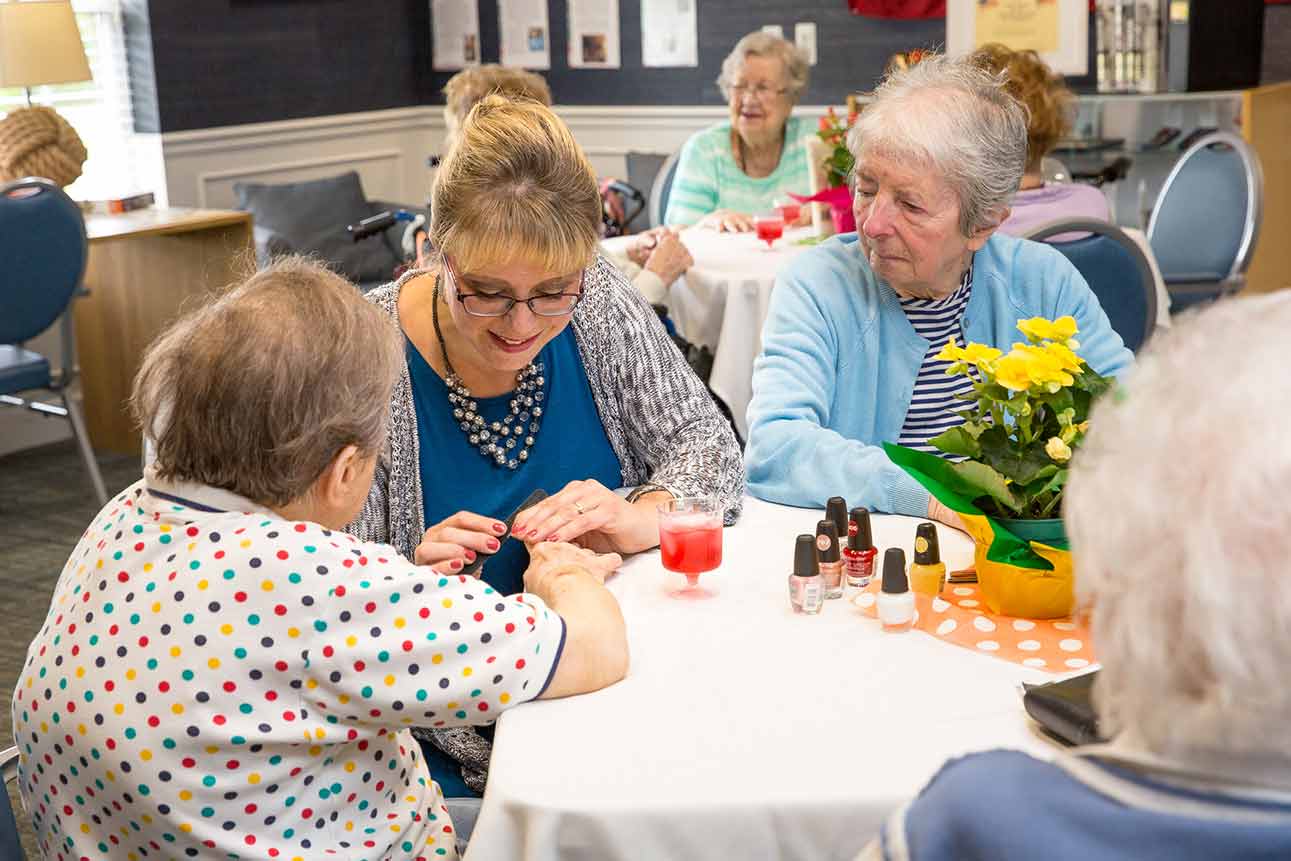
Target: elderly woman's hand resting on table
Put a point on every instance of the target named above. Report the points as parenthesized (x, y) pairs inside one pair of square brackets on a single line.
[(661, 251)]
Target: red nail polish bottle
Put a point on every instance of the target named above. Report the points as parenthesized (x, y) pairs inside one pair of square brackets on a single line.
[(858, 555)]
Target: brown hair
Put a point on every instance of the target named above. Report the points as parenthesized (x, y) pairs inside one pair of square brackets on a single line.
[(516, 186), (468, 86), (1043, 92), (257, 391)]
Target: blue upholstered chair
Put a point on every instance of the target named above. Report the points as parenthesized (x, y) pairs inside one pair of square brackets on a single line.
[(1207, 218), (43, 251), (662, 188), (1117, 272), (10, 844)]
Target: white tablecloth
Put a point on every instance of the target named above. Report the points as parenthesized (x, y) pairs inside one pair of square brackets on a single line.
[(743, 730), (721, 303)]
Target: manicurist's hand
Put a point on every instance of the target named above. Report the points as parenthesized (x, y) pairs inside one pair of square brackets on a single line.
[(456, 541), (591, 515)]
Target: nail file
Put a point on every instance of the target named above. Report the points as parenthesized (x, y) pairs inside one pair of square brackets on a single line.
[(533, 499)]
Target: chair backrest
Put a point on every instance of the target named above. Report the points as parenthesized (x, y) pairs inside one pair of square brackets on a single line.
[(1116, 270), (661, 189), (10, 842), (1207, 217), (43, 250)]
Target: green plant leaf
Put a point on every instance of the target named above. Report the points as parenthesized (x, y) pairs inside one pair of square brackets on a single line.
[(1021, 466), (980, 480), (957, 441)]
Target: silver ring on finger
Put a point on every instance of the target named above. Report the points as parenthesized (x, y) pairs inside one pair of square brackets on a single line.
[(578, 506)]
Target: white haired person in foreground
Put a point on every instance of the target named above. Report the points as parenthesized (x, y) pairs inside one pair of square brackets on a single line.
[(1187, 583)]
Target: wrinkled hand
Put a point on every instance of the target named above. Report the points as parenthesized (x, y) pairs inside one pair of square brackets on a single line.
[(727, 221), (942, 514), (592, 516), (670, 258), (452, 543), (643, 243), (549, 561)]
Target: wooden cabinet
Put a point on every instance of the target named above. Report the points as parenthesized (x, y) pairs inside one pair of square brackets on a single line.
[(145, 268)]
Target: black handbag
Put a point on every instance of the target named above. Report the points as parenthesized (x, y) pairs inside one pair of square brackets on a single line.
[(1065, 709)]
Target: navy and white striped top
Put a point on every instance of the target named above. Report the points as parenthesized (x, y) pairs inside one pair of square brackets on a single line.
[(933, 406)]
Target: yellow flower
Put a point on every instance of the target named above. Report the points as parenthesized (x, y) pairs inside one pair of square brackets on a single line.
[(1012, 372), (1039, 329), (1057, 450), (974, 354), (950, 353), (1068, 359), (1043, 366), (979, 354)]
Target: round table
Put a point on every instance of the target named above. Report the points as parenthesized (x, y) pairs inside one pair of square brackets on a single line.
[(744, 730), (721, 303)]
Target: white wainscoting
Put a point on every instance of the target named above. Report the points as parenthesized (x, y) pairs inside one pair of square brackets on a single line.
[(389, 149)]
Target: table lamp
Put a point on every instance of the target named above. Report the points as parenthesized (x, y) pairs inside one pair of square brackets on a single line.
[(40, 44)]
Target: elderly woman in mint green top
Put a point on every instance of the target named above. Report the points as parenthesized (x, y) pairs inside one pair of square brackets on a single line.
[(848, 350), (730, 172)]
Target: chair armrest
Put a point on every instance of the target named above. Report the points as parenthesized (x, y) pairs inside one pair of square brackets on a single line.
[(269, 245)]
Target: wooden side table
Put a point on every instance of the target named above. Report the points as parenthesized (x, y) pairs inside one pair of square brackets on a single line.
[(145, 268)]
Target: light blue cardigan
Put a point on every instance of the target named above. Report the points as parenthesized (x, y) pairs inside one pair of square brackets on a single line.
[(839, 360)]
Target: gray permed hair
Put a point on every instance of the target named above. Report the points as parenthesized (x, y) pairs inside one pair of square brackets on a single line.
[(1178, 522), (257, 391), (759, 44), (958, 118)]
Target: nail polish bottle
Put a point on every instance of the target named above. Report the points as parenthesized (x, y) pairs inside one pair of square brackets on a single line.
[(928, 572), (836, 510), (858, 555), (806, 591), (896, 601), (831, 562)]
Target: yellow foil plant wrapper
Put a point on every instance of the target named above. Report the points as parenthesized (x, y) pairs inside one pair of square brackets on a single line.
[(1008, 462)]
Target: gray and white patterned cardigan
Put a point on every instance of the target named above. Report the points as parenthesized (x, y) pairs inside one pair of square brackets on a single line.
[(658, 416)]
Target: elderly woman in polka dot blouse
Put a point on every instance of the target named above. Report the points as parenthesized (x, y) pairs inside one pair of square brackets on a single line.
[(225, 673)]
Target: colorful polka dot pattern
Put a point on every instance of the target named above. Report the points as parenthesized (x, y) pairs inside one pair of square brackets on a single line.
[(1052, 645), (212, 684)]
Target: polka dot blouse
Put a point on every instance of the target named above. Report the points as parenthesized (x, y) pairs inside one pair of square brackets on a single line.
[(214, 681)]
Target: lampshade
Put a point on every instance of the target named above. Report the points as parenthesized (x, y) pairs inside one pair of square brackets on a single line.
[(40, 44)]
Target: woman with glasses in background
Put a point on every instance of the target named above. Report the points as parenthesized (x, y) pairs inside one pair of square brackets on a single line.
[(532, 363), (728, 173)]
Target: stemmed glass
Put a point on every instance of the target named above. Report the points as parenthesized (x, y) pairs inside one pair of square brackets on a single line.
[(789, 210), (770, 227), (690, 541)]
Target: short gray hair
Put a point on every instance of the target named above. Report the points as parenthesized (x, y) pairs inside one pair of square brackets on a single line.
[(257, 391), (958, 118), (759, 44), (1178, 516)]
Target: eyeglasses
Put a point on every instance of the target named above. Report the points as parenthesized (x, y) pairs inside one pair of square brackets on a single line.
[(500, 304), (761, 91)]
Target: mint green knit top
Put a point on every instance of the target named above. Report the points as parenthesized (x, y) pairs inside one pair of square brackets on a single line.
[(708, 178)]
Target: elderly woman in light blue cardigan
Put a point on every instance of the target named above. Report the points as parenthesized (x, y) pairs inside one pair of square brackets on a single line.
[(848, 350)]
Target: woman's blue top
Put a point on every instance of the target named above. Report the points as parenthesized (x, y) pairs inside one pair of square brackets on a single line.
[(570, 445)]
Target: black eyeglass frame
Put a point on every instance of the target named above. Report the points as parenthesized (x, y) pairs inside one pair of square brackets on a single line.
[(513, 301)]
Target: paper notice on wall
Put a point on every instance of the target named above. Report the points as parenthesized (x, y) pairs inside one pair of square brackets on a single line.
[(669, 36), (524, 32), (456, 28), (1019, 24), (594, 34)]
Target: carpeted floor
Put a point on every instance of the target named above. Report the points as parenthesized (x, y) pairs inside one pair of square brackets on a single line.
[(46, 502)]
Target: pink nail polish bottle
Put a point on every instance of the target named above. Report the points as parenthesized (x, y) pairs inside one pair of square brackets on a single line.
[(831, 562), (806, 589)]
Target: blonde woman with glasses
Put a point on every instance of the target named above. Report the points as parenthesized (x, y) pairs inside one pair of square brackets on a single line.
[(531, 363), (728, 173)]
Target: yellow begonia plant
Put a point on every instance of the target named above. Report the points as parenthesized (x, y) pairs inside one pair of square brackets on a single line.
[(1028, 411)]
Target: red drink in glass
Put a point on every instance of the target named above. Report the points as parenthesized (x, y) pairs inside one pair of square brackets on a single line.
[(789, 211), (690, 541), (769, 228), (691, 550)]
